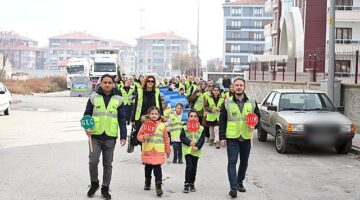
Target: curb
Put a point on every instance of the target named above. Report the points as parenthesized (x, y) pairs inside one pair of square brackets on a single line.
[(355, 150)]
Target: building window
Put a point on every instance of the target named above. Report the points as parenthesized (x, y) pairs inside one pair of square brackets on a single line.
[(258, 48), (258, 36), (344, 4), (342, 66), (258, 12), (236, 11), (343, 35), (236, 23), (235, 60), (257, 24), (235, 48), (235, 35)]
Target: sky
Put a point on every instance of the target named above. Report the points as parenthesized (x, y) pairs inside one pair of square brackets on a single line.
[(117, 19)]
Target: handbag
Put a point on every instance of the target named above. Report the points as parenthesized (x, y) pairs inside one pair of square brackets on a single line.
[(132, 140)]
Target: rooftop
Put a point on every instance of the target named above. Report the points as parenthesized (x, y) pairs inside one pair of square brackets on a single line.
[(163, 36), (13, 35), (77, 35), (246, 2)]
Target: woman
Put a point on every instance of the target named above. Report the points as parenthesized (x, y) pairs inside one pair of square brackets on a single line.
[(147, 95)]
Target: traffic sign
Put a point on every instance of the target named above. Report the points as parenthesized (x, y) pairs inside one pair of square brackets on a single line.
[(87, 122), (149, 127), (251, 119), (193, 125)]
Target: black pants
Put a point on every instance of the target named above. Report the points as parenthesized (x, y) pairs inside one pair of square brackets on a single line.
[(191, 167), (177, 151), (157, 172), (206, 131)]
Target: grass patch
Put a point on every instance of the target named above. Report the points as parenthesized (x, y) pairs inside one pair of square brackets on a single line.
[(37, 85)]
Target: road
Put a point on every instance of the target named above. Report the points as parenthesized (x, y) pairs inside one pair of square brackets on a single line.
[(43, 155)]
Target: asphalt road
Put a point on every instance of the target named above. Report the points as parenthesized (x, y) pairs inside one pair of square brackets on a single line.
[(44, 155)]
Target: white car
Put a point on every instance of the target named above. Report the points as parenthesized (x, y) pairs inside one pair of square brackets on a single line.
[(5, 99)]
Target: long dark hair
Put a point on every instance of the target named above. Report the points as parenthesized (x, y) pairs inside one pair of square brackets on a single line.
[(144, 86)]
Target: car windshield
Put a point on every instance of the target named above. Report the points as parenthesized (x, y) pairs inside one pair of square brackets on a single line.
[(105, 67), (75, 69), (306, 102)]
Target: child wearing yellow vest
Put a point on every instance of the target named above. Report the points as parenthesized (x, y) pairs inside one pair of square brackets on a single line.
[(193, 143), (175, 125), (154, 148)]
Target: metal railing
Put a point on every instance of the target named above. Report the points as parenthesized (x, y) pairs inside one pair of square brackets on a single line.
[(347, 41), (243, 27), (244, 51), (347, 8), (246, 39)]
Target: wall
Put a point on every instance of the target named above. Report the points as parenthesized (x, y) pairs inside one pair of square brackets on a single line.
[(350, 94)]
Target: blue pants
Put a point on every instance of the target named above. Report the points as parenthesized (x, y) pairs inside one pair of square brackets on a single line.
[(127, 109), (177, 151), (234, 149)]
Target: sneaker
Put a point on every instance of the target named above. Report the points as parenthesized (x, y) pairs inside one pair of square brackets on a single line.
[(241, 188), (233, 193), (93, 188), (174, 161), (186, 188), (192, 187), (180, 162), (105, 192)]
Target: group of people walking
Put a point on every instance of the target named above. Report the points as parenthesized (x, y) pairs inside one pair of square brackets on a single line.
[(136, 101)]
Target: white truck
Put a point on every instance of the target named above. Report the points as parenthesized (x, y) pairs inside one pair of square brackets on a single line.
[(78, 67)]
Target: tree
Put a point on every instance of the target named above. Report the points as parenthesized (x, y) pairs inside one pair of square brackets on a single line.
[(183, 62)]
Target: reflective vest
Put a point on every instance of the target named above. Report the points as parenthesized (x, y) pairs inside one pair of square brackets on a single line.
[(188, 88), (212, 116), (137, 85), (175, 126), (199, 103), (140, 101), (194, 137), (167, 112), (105, 118), (236, 125), (207, 94), (127, 95), (120, 85), (156, 140)]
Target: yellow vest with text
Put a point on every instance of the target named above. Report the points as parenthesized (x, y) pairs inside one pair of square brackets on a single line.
[(212, 116), (236, 125), (156, 140), (140, 101), (175, 126), (105, 118), (194, 137)]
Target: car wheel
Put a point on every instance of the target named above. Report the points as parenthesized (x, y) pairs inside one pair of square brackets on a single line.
[(344, 148), (7, 111), (262, 134), (280, 143)]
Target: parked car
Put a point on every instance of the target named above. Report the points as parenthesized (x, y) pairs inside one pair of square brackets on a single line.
[(304, 117), (5, 99)]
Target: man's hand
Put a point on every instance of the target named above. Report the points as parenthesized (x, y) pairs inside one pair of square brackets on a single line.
[(223, 143), (122, 142), (88, 132)]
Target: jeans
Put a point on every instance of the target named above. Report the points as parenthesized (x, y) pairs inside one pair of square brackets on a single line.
[(191, 167), (127, 109), (106, 147), (177, 151), (157, 172), (234, 149)]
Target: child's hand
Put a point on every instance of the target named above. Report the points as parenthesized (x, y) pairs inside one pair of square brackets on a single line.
[(192, 144), (213, 110), (195, 149), (146, 136), (167, 155)]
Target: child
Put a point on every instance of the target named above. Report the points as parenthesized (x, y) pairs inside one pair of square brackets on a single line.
[(154, 148), (175, 130), (192, 151)]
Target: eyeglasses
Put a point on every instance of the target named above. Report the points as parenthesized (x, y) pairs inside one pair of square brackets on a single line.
[(151, 81), (210, 86)]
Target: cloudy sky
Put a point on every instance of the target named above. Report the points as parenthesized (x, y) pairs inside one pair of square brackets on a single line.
[(117, 19)]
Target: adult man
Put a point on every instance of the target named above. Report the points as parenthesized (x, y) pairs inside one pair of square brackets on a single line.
[(236, 134), (107, 109)]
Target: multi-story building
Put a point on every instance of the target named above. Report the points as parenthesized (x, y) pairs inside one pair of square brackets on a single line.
[(21, 51), (347, 36), (244, 22), (76, 44), (156, 52), (127, 57)]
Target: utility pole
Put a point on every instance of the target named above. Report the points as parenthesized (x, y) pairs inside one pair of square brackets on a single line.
[(331, 61), (197, 41)]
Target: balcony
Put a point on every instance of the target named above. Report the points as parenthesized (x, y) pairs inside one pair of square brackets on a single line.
[(271, 5), (243, 27), (244, 51), (246, 39), (347, 13), (347, 41)]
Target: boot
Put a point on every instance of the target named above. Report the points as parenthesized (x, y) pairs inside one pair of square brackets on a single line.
[(233, 193), (93, 188), (186, 188), (211, 142), (192, 187), (147, 184), (105, 192), (159, 191), (217, 145)]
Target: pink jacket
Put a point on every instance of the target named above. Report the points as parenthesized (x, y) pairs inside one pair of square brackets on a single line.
[(153, 157)]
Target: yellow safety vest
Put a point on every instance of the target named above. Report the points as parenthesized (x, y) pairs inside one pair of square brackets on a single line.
[(199, 103), (140, 101), (212, 116), (194, 137), (156, 140), (175, 126), (127, 95), (105, 118), (236, 125)]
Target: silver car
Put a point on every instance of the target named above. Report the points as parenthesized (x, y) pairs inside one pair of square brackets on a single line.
[(304, 117), (5, 99)]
